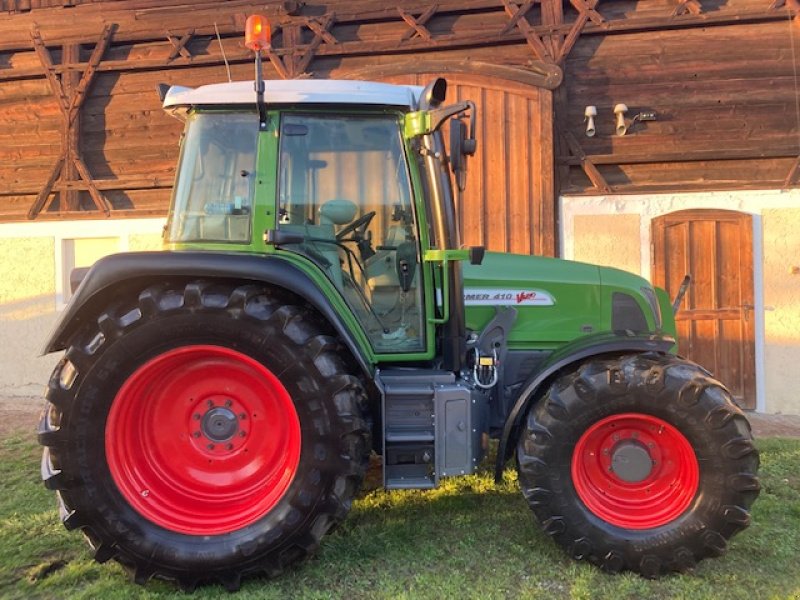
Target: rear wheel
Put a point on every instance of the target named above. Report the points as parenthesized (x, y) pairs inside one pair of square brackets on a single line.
[(204, 433), (640, 463)]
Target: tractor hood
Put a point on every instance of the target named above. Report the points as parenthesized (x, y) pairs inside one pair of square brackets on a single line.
[(557, 300)]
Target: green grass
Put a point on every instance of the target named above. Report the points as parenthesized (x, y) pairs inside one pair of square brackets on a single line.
[(467, 539)]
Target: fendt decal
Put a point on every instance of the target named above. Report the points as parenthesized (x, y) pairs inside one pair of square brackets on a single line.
[(498, 297)]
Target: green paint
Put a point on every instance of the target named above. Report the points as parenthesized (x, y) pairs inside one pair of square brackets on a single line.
[(581, 293), (416, 124), (582, 297)]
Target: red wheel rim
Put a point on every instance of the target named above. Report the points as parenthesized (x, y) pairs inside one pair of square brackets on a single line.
[(635, 471), (203, 440)]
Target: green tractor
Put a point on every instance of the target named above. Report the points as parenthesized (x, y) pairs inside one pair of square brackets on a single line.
[(217, 404)]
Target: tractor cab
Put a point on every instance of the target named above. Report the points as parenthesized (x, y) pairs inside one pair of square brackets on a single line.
[(335, 172)]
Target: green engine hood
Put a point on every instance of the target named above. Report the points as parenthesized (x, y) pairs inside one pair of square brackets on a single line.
[(557, 300)]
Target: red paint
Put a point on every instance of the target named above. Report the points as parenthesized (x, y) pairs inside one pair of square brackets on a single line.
[(523, 296), (661, 497), (176, 477)]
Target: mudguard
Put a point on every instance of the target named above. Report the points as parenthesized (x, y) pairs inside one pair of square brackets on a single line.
[(118, 273), (579, 350)]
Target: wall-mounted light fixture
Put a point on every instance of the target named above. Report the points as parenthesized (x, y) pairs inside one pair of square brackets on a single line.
[(620, 110), (588, 116), (623, 124)]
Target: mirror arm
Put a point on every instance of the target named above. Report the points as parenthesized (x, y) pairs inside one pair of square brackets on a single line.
[(440, 115)]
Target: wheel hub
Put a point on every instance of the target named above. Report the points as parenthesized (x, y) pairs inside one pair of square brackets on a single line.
[(220, 424), (635, 470), (631, 462)]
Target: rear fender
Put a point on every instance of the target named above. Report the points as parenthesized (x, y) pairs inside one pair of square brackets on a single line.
[(130, 272), (587, 347)]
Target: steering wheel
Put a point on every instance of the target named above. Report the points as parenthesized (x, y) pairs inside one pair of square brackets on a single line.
[(357, 227)]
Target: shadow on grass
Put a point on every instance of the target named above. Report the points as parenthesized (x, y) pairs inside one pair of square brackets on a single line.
[(466, 539)]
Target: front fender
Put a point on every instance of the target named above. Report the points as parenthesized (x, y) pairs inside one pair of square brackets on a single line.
[(128, 272), (589, 346)]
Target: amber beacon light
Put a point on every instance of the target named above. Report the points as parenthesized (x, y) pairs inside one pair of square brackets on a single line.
[(256, 33)]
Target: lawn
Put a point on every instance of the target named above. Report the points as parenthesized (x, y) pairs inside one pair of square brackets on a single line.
[(467, 539)]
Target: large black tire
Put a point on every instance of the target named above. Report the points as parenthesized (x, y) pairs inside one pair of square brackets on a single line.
[(661, 407), (255, 334)]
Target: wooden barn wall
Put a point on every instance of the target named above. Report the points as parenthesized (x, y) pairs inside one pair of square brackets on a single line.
[(726, 104), (719, 75)]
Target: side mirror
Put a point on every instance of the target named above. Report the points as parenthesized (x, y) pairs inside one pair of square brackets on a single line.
[(458, 160)]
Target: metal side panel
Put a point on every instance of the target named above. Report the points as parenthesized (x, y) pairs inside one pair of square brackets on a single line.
[(455, 454)]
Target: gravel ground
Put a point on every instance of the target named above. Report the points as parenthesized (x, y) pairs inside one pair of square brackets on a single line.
[(20, 413)]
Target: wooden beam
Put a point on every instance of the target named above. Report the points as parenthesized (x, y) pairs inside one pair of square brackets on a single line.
[(442, 42), (793, 171), (588, 6), (70, 81), (99, 200), (517, 17), (136, 34), (553, 14), (652, 157), (125, 183), (89, 71), (687, 7), (307, 54), (417, 24), (179, 45), (589, 168), (49, 71), (44, 194), (70, 94)]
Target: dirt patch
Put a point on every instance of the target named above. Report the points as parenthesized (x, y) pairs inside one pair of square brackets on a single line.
[(774, 425), (19, 414)]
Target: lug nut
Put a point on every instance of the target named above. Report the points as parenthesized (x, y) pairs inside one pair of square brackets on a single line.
[(228, 402), (242, 433), (242, 416), (210, 446), (196, 434), (196, 416), (210, 404), (229, 446)]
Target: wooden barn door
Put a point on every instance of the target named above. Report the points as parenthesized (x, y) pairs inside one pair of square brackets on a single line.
[(716, 320), (508, 205)]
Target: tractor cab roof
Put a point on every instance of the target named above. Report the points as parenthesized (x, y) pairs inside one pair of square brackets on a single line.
[(303, 91)]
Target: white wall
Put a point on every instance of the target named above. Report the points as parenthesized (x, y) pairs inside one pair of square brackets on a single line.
[(776, 257), (34, 280)]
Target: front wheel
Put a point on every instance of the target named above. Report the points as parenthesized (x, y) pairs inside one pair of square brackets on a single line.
[(204, 432), (641, 463)]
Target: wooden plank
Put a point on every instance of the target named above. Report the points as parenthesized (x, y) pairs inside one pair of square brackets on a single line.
[(709, 314), (589, 168), (692, 155), (474, 201), (547, 198), (71, 138), (79, 94), (496, 139), (521, 228), (792, 175)]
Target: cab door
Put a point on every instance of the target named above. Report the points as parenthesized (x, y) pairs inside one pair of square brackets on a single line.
[(345, 190)]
